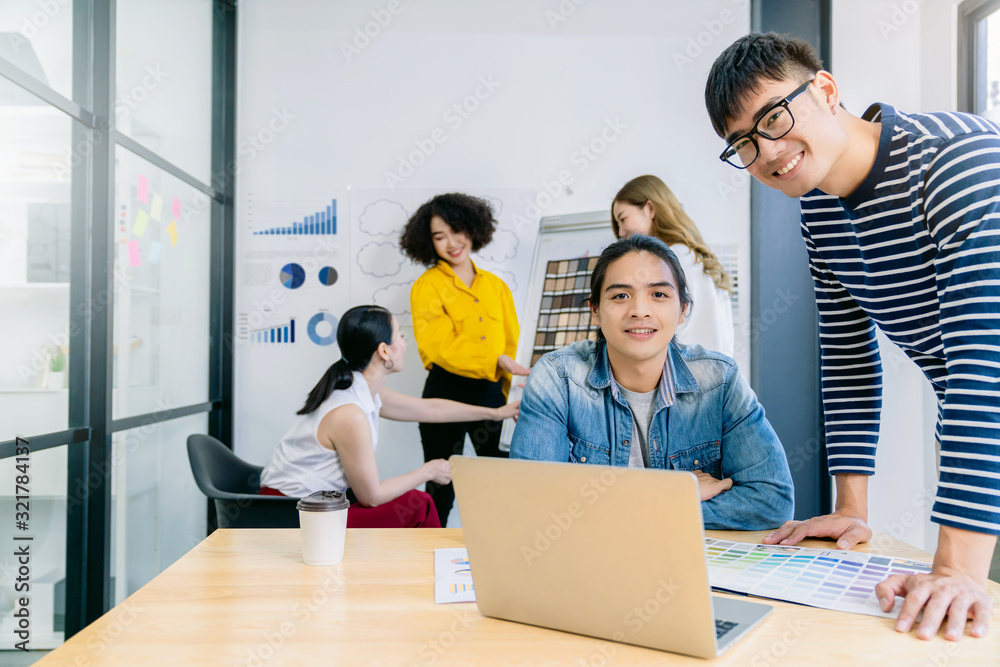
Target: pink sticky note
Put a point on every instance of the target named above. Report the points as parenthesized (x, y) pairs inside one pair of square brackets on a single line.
[(175, 208), (143, 189), (133, 253)]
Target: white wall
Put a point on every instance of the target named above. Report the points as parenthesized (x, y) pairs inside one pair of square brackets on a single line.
[(908, 60), (560, 83)]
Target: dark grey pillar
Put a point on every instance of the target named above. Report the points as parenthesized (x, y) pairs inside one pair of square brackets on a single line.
[(784, 352)]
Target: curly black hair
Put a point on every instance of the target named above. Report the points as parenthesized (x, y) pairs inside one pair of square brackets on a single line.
[(463, 213)]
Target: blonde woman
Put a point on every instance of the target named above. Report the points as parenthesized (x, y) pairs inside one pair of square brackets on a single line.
[(645, 205)]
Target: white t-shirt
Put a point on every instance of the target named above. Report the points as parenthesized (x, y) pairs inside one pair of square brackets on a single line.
[(300, 465), (710, 323)]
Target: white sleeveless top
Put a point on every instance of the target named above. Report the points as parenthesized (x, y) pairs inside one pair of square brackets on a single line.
[(300, 465), (711, 322)]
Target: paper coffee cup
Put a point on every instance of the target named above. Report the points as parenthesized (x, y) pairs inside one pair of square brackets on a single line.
[(323, 526)]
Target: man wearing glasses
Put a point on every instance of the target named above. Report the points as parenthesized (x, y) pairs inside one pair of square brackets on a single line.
[(901, 220)]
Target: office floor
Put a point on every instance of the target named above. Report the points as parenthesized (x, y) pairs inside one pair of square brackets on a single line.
[(20, 658)]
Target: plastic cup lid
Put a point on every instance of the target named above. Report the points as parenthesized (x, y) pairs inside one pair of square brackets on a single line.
[(323, 501)]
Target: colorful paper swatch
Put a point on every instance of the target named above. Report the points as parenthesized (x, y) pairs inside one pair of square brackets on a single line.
[(154, 252), (141, 219), (175, 208), (563, 314), (830, 579), (172, 230), (134, 259), (156, 208), (142, 190)]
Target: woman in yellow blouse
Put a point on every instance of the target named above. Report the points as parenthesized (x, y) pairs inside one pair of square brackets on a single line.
[(464, 324)]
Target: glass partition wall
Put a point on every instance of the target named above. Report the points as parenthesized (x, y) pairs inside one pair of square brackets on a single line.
[(116, 128)]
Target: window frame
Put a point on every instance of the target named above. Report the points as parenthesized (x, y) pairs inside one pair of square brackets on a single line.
[(971, 62), (88, 438)]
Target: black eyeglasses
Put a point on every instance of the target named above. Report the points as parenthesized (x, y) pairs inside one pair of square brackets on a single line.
[(774, 123)]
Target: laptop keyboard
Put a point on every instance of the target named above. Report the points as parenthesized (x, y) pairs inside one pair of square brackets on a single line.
[(722, 627)]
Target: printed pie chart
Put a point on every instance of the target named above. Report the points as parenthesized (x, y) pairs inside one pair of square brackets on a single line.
[(322, 329), (292, 276), (327, 275)]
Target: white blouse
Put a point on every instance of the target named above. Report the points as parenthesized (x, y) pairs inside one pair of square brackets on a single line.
[(300, 465)]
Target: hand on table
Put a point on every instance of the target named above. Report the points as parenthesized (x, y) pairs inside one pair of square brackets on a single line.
[(844, 526), (947, 592), (943, 592), (710, 487)]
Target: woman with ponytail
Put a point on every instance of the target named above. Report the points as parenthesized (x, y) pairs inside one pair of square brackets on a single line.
[(645, 205), (332, 444)]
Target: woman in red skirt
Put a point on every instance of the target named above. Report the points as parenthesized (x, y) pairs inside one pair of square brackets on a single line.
[(332, 444)]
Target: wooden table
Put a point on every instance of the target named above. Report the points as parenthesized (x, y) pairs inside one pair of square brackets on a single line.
[(244, 597)]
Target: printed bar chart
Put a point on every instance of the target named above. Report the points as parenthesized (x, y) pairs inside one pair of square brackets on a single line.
[(284, 333), (322, 222)]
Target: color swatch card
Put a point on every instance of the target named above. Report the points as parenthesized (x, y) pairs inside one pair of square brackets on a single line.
[(563, 314), (452, 576), (830, 579)]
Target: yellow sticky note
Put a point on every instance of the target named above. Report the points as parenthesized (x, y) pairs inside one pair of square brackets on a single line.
[(172, 230), (139, 228), (156, 208)]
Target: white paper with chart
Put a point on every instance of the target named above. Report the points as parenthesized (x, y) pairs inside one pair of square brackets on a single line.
[(452, 576)]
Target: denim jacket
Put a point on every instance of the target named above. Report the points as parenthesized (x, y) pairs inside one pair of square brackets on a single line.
[(572, 411)]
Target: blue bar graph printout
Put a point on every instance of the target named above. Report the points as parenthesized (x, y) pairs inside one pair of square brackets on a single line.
[(322, 222), (283, 333)]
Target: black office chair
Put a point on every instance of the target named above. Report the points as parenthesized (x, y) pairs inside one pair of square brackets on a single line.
[(233, 484)]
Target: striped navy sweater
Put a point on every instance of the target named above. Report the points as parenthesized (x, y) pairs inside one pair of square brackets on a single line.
[(915, 251)]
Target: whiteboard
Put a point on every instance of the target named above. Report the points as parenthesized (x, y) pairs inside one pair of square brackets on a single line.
[(560, 238), (383, 275)]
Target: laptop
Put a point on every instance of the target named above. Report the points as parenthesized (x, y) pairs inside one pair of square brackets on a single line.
[(613, 553)]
